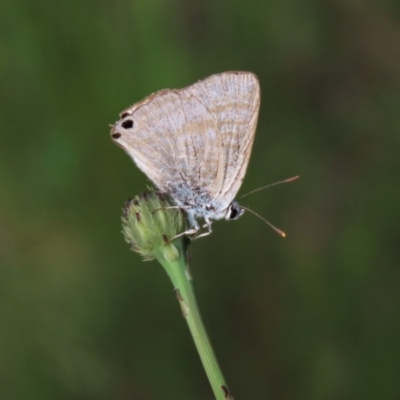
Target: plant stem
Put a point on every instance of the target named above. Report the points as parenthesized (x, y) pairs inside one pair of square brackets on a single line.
[(177, 271)]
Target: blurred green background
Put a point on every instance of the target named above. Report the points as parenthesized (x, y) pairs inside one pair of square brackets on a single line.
[(312, 316)]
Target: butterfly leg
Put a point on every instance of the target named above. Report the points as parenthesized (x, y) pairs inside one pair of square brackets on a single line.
[(206, 225), (192, 223), (193, 228), (167, 208)]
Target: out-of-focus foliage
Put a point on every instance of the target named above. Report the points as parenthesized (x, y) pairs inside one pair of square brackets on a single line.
[(312, 316)]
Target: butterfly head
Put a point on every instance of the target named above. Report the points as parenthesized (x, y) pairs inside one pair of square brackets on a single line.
[(234, 211)]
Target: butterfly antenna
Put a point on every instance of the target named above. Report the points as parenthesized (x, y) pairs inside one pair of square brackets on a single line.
[(278, 231), (294, 178)]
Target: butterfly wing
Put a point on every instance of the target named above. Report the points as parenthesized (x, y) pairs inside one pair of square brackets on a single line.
[(197, 139), (172, 138), (233, 98)]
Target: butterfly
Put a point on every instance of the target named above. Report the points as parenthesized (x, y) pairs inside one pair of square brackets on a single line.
[(195, 143)]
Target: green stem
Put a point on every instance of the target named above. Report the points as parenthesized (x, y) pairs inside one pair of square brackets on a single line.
[(177, 271)]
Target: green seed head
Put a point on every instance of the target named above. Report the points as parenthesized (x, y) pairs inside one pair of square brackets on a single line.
[(148, 225)]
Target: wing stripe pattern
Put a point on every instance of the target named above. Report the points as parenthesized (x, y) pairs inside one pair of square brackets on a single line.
[(233, 99), (195, 143)]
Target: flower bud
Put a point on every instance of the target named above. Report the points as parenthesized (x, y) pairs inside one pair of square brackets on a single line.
[(149, 225)]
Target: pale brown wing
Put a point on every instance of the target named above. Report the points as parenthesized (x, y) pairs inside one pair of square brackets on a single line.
[(233, 99), (171, 137)]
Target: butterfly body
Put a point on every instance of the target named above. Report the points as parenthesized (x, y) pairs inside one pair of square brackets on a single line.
[(195, 143)]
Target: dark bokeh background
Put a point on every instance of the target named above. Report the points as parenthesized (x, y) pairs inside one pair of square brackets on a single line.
[(312, 316)]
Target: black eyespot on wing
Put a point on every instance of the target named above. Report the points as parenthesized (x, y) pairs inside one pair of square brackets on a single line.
[(123, 115), (127, 124), (116, 135)]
